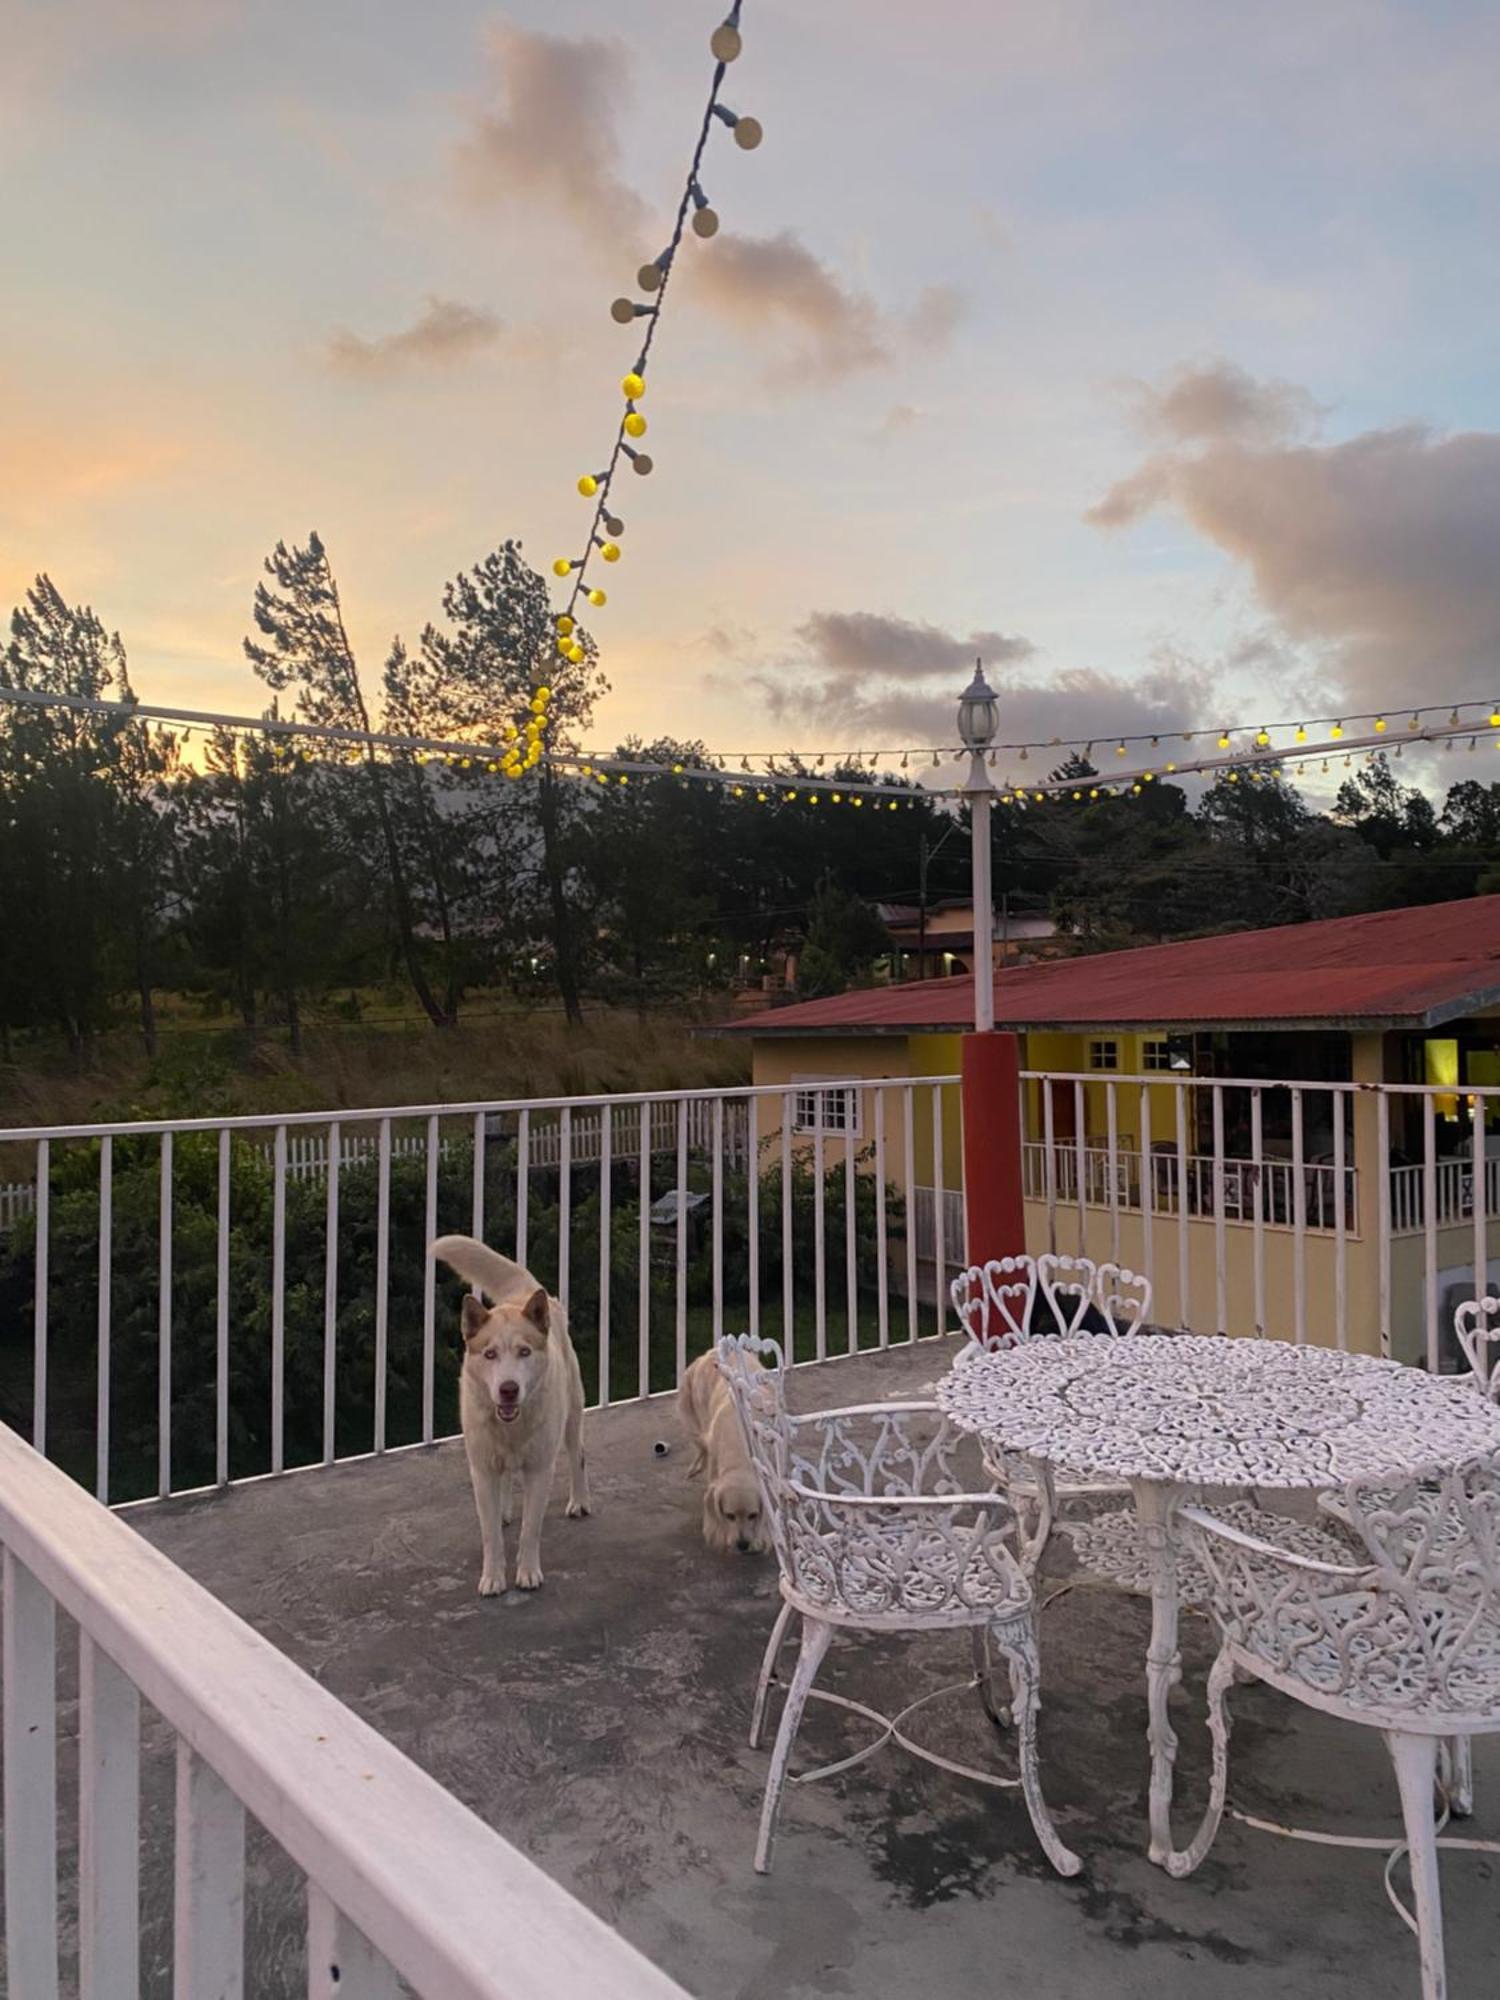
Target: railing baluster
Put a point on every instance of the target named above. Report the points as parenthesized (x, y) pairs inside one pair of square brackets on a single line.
[(1429, 1229), (788, 1296), (820, 1267), (1184, 1221), (1299, 1220), (101, 1391), (1080, 1163), (209, 1895), (523, 1184), (1478, 1153), (382, 1278), (164, 1321), (564, 1205), (109, 1746), (1148, 1191), (331, 1173), (29, 1655), (882, 1225), (39, 1303), (851, 1263), (1049, 1162), (1340, 1225), (342, 1964), (643, 1299), (909, 1148), (681, 1243), (717, 1222), (476, 1192), (1221, 1304), (606, 1244), (1258, 1197), (1112, 1167), (429, 1286), (1384, 1170), (278, 1302), (221, 1318), (939, 1216), (752, 1206)]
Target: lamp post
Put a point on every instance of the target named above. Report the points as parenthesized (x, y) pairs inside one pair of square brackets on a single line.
[(978, 720), (994, 1195)]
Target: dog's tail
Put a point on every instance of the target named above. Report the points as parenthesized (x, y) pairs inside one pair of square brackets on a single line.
[(498, 1277)]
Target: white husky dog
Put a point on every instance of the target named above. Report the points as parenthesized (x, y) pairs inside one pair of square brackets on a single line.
[(520, 1399)]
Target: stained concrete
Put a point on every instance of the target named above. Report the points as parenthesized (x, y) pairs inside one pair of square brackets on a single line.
[(600, 1724)]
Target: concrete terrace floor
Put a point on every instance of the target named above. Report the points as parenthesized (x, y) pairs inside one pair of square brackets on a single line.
[(600, 1725)]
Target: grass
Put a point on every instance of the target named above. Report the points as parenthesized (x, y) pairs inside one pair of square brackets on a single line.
[(208, 1070)]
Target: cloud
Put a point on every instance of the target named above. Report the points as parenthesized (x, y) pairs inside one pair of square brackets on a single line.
[(775, 286), (548, 134), (444, 331), (869, 678), (1380, 554), (868, 644), (1217, 400)]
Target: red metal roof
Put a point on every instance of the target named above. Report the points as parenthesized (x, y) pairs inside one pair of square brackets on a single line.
[(1394, 968)]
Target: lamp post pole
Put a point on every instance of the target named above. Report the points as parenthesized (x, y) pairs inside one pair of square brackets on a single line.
[(994, 1200)]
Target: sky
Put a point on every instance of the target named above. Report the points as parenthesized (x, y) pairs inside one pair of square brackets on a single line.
[(1147, 350)]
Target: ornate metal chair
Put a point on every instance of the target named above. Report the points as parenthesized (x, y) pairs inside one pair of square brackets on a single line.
[(1477, 1325), (1010, 1300), (876, 1530), (1402, 1635)]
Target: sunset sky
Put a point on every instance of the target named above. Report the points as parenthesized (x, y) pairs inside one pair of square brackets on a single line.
[(1149, 349)]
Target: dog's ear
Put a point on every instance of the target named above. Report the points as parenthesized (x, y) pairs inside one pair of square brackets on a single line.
[(475, 1316), (538, 1309)]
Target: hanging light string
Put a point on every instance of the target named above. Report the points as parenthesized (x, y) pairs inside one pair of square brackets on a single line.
[(1471, 714), (606, 527), (791, 777)]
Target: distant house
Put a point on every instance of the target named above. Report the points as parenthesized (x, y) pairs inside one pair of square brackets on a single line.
[(939, 941), (1176, 1087)]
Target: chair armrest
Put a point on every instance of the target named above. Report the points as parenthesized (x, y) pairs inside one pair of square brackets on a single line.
[(1221, 1531)]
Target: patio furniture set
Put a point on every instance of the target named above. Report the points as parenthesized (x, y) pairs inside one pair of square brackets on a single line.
[(1155, 1454)]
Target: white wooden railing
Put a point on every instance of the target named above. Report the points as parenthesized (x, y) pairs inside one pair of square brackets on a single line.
[(1453, 1192), (403, 1882), (1120, 1178)]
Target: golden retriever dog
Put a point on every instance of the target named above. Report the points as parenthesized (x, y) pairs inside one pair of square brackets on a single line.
[(732, 1515), (520, 1401)]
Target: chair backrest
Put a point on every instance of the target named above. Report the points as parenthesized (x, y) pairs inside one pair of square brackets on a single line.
[(1406, 1627), (1123, 1298), (995, 1301), (872, 1514), (1085, 1297), (1477, 1324)]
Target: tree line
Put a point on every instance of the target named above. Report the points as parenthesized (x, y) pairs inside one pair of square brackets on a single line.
[(274, 878)]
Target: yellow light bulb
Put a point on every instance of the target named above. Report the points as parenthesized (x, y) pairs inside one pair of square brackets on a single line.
[(588, 486), (610, 552), (576, 654), (1301, 733), (1336, 731), (633, 385), (635, 425), (564, 624), (1223, 740), (1380, 725), (562, 567), (544, 694), (1261, 737), (1119, 749), (597, 598), (510, 732)]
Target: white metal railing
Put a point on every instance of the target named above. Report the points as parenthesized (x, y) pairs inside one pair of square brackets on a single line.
[(925, 1206), (1272, 1207), (391, 1859), (229, 1316)]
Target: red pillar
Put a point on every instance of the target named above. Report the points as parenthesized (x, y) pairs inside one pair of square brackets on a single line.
[(992, 1147)]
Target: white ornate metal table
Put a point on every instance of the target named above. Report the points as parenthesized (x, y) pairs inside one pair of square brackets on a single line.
[(1168, 1414)]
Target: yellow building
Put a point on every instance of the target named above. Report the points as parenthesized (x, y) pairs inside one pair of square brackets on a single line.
[(1279, 1126)]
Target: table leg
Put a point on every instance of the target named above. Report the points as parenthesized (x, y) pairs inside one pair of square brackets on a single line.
[(1156, 1504)]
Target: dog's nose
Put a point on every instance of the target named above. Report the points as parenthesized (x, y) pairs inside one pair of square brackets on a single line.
[(743, 1546), (508, 1392)]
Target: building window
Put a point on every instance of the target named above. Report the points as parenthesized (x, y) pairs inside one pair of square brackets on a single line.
[(1156, 1055), (835, 1112), (1104, 1055)]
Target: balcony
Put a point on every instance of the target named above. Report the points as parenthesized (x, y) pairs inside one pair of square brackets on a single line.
[(207, 1304)]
